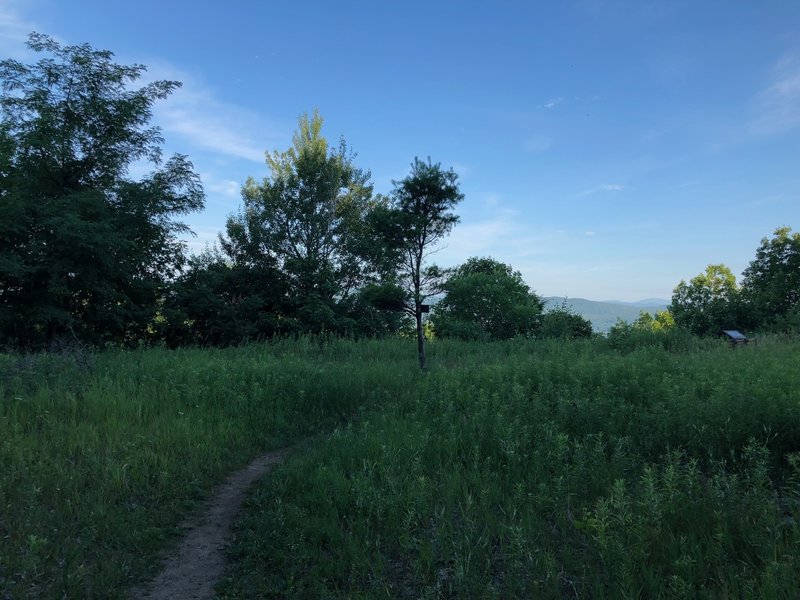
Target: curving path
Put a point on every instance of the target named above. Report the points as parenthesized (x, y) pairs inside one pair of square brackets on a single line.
[(199, 560)]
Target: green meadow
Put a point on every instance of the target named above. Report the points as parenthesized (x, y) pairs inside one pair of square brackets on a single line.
[(528, 468), (102, 456)]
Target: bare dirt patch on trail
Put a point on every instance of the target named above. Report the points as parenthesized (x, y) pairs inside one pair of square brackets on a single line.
[(198, 562)]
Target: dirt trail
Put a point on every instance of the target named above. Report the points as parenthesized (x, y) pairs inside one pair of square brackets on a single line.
[(199, 560)]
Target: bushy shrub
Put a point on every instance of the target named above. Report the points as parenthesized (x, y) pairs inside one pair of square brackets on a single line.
[(563, 323)]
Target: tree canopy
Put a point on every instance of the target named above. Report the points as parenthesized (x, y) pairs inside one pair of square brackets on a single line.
[(486, 299), (308, 219), (708, 303), (417, 217), (85, 249), (91, 252), (771, 283)]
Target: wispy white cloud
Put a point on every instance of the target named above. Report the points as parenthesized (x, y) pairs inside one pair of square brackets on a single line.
[(502, 236), (207, 134), (221, 192), (14, 30), (197, 114), (223, 187), (552, 103), (204, 237), (193, 112), (493, 199), (779, 103), (688, 184), (598, 189)]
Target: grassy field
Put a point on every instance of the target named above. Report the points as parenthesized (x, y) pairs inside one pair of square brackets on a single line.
[(519, 469), (547, 470), (102, 456)]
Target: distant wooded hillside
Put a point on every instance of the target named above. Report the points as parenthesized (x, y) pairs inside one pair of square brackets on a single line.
[(604, 314)]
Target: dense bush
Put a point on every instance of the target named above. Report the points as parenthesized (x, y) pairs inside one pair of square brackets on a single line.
[(486, 300), (562, 323)]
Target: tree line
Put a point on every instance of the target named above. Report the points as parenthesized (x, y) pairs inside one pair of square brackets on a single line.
[(90, 253), (767, 299)]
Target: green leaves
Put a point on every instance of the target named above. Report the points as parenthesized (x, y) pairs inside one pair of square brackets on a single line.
[(423, 202), (769, 298), (85, 249), (772, 280), (709, 303), (307, 217), (486, 299), (417, 217)]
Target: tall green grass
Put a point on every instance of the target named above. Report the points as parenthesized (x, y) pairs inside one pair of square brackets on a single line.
[(536, 469), (102, 456), (518, 469)]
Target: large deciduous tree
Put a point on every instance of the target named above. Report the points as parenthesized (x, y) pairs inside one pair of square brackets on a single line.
[(488, 300), (416, 218), (84, 248), (708, 303), (771, 283), (308, 217)]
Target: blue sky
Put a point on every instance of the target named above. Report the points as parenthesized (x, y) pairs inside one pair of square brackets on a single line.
[(607, 149)]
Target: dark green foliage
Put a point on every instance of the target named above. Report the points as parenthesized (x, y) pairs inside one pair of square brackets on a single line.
[(220, 303), (84, 249), (308, 219), (771, 283), (486, 300), (366, 318), (562, 323), (709, 303), (788, 323), (417, 217)]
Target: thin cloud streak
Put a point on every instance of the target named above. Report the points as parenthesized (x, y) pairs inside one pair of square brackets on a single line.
[(598, 189), (779, 103), (202, 119), (502, 236), (204, 237), (14, 31), (224, 187)]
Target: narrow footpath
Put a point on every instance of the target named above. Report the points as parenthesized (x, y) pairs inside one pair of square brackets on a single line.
[(198, 562)]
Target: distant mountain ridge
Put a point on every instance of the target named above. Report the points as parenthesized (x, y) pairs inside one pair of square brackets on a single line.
[(645, 302), (604, 314)]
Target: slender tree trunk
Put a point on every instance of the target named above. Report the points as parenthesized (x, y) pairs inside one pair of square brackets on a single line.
[(420, 338), (417, 266)]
